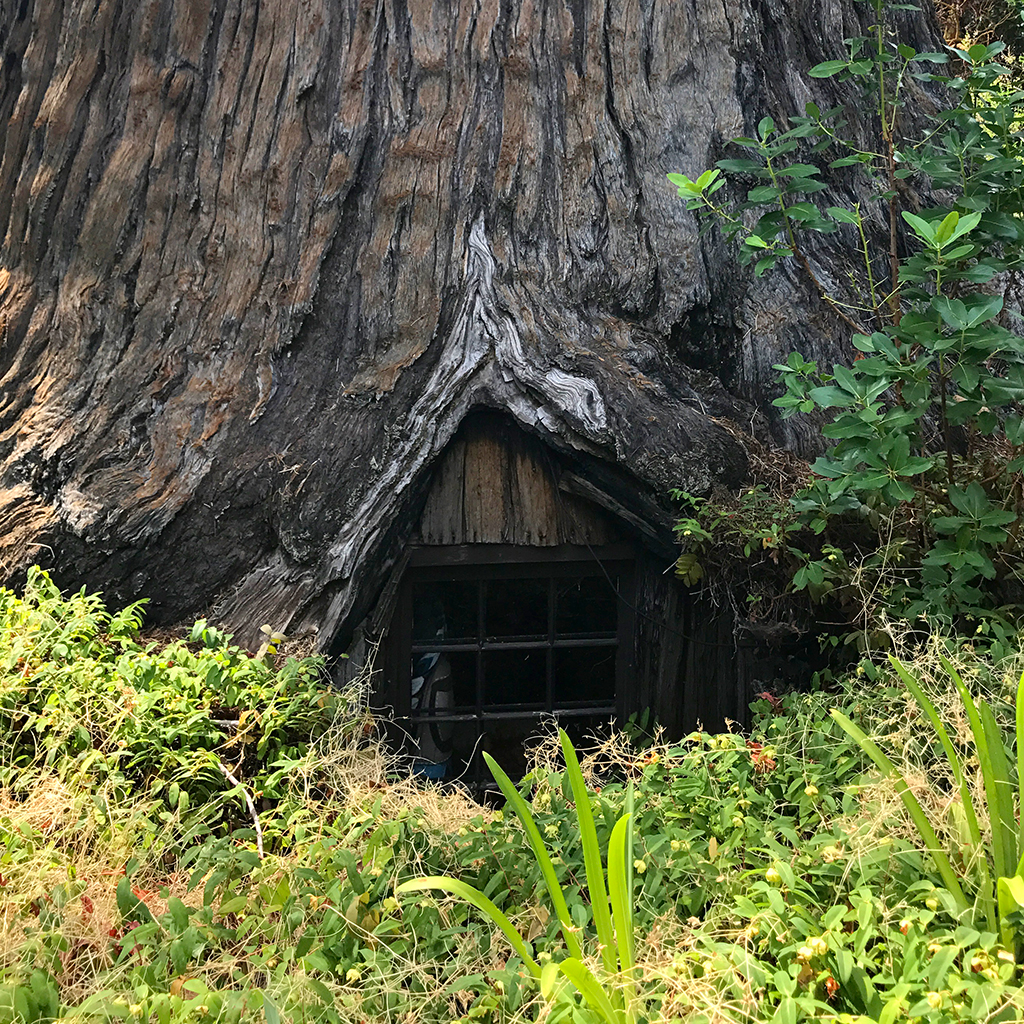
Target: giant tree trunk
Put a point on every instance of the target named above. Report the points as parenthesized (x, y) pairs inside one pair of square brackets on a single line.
[(260, 259)]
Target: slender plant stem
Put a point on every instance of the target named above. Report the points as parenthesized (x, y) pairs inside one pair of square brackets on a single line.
[(251, 806)]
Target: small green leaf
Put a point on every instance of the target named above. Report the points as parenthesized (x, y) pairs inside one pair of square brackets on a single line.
[(828, 68), (944, 232), (843, 216), (920, 227)]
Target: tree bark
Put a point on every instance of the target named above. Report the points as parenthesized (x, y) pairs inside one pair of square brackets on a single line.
[(260, 260)]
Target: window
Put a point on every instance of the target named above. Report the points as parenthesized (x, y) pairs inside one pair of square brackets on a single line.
[(480, 651)]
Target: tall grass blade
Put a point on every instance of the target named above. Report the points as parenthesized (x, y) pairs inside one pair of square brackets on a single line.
[(985, 889), (955, 764), (591, 856), (1011, 900), (547, 869), (482, 903), (1004, 825), (622, 905), (917, 814), (1002, 866), (591, 990), (1020, 771)]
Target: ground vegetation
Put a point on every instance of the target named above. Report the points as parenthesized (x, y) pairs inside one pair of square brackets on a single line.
[(166, 858)]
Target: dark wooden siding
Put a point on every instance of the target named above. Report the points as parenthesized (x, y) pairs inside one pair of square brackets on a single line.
[(691, 666)]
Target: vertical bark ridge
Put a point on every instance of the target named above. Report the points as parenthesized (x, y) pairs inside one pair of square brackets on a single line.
[(259, 260)]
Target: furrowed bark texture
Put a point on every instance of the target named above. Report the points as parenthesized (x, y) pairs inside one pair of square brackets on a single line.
[(259, 260)]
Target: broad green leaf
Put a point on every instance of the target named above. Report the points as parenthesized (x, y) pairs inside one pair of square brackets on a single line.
[(270, 1011), (828, 68), (742, 167), (846, 161), (845, 378), (685, 185), (829, 397), (548, 980), (1010, 897), (984, 308), (843, 216), (798, 171), (707, 178), (944, 232), (920, 227), (131, 907), (952, 311), (786, 1012), (962, 226)]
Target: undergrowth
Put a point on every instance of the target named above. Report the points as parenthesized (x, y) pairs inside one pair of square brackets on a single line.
[(775, 874)]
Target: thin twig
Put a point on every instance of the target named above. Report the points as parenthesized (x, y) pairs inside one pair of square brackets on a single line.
[(252, 807)]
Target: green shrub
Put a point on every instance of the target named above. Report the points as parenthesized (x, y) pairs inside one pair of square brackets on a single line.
[(925, 428), (83, 698)]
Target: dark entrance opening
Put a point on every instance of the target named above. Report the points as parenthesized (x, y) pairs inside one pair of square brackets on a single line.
[(538, 584)]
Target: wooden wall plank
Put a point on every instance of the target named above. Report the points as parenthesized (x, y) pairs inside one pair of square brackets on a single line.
[(495, 484), (484, 519), (442, 518)]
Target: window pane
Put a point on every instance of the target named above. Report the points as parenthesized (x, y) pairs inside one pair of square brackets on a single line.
[(517, 608), (463, 673), (444, 610), (442, 682), (515, 677), (585, 674), (586, 606)]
